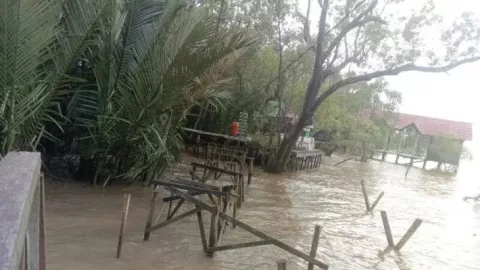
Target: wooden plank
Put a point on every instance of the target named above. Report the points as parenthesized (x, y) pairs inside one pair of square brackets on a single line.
[(365, 195), (313, 250), (172, 220), (376, 201), (153, 205), (123, 224), (202, 229), (242, 245), (388, 231), (413, 228)]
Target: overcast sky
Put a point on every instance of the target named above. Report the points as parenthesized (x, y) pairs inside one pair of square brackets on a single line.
[(451, 96)]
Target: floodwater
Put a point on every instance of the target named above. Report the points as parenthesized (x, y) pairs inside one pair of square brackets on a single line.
[(83, 223)]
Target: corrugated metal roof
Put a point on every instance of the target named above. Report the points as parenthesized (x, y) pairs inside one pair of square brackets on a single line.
[(425, 125)]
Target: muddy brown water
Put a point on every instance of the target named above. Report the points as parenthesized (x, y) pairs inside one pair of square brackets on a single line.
[(83, 223)]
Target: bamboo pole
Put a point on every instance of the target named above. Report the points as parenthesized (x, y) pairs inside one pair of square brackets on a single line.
[(123, 224), (388, 231), (313, 250), (408, 234), (365, 195), (282, 265), (153, 205)]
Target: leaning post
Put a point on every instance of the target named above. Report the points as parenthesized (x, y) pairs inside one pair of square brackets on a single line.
[(413, 228), (388, 231), (153, 205), (313, 250)]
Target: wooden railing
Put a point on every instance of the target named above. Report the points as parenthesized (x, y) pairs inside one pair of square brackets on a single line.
[(22, 212)]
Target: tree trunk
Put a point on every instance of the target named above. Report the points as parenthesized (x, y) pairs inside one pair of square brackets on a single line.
[(279, 161)]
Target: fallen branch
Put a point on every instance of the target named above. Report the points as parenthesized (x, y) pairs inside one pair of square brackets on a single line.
[(345, 160)]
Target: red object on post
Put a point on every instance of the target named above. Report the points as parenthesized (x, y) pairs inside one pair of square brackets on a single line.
[(235, 129)]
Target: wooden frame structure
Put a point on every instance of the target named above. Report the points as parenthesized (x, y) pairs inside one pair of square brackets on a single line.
[(187, 192)]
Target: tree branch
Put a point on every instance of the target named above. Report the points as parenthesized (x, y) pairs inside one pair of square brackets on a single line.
[(360, 20), (306, 23), (389, 72)]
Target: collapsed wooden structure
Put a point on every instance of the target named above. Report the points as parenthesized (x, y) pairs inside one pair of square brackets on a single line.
[(220, 199)]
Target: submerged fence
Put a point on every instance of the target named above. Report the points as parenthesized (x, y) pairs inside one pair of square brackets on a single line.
[(22, 212)]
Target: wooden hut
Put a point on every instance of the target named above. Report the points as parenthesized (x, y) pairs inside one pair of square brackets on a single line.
[(414, 137)]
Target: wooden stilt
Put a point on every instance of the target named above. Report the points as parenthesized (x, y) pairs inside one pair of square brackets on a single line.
[(282, 265), (388, 231), (365, 195), (153, 205), (212, 241), (202, 230), (313, 250), (123, 224), (376, 201), (408, 234)]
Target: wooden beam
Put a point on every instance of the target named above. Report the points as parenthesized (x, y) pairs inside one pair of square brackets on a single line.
[(173, 220), (408, 234), (179, 204), (313, 250), (388, 231), (242, 245)]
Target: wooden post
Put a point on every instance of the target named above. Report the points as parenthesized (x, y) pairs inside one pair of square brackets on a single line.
[(388, 231), (282, 265), (202, 230), (408, 234), (250, 170), (313, 250), (123, 224), (376, 201), (385, 148), (365, 195), (153, 205), (212, 241)]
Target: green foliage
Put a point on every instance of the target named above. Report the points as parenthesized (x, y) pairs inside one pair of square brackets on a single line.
[(446, 149), (153, 64), (152, 61)]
